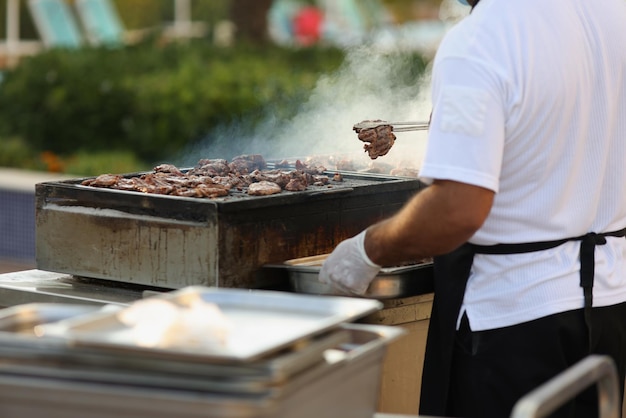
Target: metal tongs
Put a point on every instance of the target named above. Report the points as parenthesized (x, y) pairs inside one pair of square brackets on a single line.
[(397, 126)]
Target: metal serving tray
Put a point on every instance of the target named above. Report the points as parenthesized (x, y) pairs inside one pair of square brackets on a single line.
[(262, 322), (393, 282), (22, 352), (22, 319), (264, 378), (345, 385)]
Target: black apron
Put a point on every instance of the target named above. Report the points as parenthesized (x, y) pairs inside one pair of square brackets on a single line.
[(451, 272)]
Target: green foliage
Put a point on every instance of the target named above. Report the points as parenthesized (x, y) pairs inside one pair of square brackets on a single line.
[(64, 101), (151, 100), (15, 152), (114, 162), (139, 14)]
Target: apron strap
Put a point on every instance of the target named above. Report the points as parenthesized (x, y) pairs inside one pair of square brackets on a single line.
[(587, 269), (450, 277), (588, 243)]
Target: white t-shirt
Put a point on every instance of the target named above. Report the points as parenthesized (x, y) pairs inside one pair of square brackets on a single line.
[(529, 100)]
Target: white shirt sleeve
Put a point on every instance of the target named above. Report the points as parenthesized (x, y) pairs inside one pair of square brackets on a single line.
[(467, 130)]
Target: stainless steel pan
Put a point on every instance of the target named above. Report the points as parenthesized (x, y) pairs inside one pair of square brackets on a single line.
[(394, 282)]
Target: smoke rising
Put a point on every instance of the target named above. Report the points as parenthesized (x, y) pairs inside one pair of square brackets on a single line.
[(368, 85)]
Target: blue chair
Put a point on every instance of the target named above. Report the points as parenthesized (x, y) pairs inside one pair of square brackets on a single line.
[(280, 20), (55, 23), (101, 22)]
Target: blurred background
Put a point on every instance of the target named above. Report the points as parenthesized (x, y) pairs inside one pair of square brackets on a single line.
[(89, 87)]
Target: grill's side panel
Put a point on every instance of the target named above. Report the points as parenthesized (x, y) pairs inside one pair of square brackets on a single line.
[(117, 245), (251, 239)]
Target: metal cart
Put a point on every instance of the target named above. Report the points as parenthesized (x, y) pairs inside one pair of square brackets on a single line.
[(565, 386)]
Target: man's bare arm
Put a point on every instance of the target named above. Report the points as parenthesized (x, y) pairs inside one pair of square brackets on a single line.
[(435, 221)]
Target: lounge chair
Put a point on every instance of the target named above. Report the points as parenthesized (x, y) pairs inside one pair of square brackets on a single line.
[(55, 23), (101, 22)]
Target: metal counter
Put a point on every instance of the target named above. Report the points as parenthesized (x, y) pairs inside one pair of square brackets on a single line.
[(38, 286)]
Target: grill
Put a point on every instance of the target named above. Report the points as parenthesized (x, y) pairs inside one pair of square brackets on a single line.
[(173, 242), (109, 246)]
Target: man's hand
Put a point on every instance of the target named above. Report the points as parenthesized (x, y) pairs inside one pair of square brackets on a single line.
[(348, 269)]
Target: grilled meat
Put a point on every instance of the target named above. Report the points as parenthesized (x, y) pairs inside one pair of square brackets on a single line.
[(297, 184), (309, 168), (169, 169), (211, 178), (105, 180), (378, 141), (404, 172), (279, 177), (244, 164), (263, 188), (202, 190), (213, 168), (319, 180)]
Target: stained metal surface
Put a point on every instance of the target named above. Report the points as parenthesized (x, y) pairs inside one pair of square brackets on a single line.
[(37, 286)]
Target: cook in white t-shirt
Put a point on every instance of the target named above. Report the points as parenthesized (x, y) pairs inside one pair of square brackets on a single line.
[(525, 210)]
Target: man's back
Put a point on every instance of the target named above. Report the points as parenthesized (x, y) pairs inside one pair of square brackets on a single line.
[(541, 89)]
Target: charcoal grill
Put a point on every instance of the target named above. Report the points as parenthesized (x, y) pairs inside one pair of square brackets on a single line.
[(104, 246), (172, 242)]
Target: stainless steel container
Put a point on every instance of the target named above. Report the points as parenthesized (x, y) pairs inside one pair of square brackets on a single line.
[(346, 388), (343, 382), (390, 283)]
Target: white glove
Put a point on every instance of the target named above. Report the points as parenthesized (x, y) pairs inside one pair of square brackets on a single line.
[(348, 269)]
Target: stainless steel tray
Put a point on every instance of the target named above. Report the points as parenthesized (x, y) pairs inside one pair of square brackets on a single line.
[(393, 282), (262, 378), (22, 352), (346, 384), (262, 322), (22, 319)]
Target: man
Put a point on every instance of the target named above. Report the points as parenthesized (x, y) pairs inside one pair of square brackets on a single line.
[(526, 205)]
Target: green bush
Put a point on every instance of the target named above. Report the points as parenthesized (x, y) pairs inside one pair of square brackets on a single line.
[(63, 101), (15, 152), (152, 100), (93, 164)]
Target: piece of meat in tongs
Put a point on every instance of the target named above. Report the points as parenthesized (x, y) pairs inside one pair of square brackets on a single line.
[(379, 137)]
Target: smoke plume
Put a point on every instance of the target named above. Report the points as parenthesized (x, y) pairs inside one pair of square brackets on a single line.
[(366, 86)]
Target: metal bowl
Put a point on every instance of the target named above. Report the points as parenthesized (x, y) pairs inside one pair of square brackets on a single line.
[(393, 282)]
